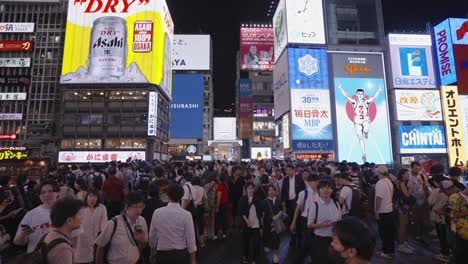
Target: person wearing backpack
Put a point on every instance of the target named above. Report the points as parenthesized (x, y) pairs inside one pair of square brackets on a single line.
[(323, 214), (66, 218), (349, 195)]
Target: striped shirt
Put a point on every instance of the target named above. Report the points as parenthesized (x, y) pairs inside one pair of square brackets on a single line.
[(172, 228)]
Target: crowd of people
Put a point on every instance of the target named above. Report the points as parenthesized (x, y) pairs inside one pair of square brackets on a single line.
[(165, 212)]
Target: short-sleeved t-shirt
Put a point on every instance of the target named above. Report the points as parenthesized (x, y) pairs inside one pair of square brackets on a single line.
[(312, 196), (384, 190), (346, 193), (224, 197)]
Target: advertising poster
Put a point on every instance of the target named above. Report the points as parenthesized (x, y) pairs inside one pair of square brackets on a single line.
[(15, 62), (13, 79), (422, 139), (191, 52), (281, 86), (125, 43), (186, 113), (308, 68), (245, 109), (260, 153), (99, 156), (286, 137), (445, 58), (305, 23), (16, 27), (411, 57), (280, 29), (153, 114), (224, 128), (453, 126), (245, 88), (257, 49), (461, 62), (15, 45), (361, 108), (418, 105), (463, 99), (12, 96)]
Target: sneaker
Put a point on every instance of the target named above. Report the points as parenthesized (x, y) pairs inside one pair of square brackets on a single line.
[(404, 249), (384, 255), (407, 245), (443, 258)]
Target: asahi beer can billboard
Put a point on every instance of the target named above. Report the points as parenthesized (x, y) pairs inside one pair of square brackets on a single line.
[(118, 42)]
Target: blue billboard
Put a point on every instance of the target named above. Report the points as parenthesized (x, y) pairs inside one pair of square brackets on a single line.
[(422, 139), (186, 112), (245, 88), (308, 68), (413, 62), (445, 58)]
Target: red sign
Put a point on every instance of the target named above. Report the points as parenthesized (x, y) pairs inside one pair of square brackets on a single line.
[(460, 52), (143, 36), (462, 31), (312, 156), (15, 45), (109, 6), (245, 108), (256, 49), (7, 136)]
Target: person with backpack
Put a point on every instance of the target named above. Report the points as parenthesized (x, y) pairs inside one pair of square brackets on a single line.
[(250, 210), (94, 222), (323, 214), (349, 196), (125, 235), (56, 246)]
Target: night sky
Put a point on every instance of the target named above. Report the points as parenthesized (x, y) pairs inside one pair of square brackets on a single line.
[(222, 20)]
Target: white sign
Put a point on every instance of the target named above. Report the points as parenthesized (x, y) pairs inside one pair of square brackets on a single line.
[(153, 114), (411, 59), (260, 153), (99, 156), (418, 105), (280, 29), (191, 52), (224, 128), (12, 96), (286, 137), (11, 116), (15, 62), (16, 27), (281, 89), (305, 23), (463, 101), (406, 161)]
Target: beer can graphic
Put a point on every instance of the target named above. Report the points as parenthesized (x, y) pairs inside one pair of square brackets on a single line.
[(108, 47)]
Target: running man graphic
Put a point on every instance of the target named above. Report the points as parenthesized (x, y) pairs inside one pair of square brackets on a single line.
[(361, 114)]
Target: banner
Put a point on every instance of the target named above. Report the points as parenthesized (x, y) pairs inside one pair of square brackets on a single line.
[(12, 96), (281, 92), (153, 114), (15, 45), (20, 80), (308, 68), (418, 105), (15, 62), (453, 126), (11, 116), (245, 109), (280, 29), (16, 27), (256, 49), (191, 53), (361, 108), (445, 59), (463, 100), (305, 23), (99, 156), (122, 42), (187, 106), (285, 134), (411, 57), (422, 139)]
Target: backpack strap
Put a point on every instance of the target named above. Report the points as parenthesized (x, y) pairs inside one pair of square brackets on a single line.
[(190, 191), (46, 248), (305, 200), (316, 212)]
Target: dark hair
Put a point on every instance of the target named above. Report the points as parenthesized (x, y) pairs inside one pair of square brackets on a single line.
[(95, 193), (153, 190), (290, 166), (437, 169), (327, 171), (222, 177), (64, 209), (82, 184), (214, 178), (359, 90), (55, 186), (134, 198), (401, 173), (353, 233), (180, 172), (196, 180), (84, 167), (21, 179), (4, 180), (2, 195), (455, 172), (264, 179), (158, 172), (313, 177), (74, 167), (235, 169), (175, 192), (112, 170), (272, 187), (188, 176), (415, 163), (247, 185), (325, 183)]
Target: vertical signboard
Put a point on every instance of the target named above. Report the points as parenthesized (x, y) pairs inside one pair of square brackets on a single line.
[(256, 49), (305, 23), (361, 108), (153, 114), (286, 138), (187, 106), (281, 86), (453, 126), (280, 29), (411, 57), (418, 105), (245, 109), (445, 59)]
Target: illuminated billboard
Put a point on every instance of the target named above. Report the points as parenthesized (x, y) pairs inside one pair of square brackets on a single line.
[(99, 156), (461, 65), (224, 128), (308, 68), (411, 57), (286, 137), (122, 42), (280, 30), (422, 139), (256, 49), (281, 86), (191, 52), (16, 27), (245, 108), (418, 105), (463, 99), (260, 153), (305, 23), (15, 45), (361, 107)]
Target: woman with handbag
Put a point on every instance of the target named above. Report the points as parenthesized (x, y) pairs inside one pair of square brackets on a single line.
[(250, 211), (404, 206), (272, 220)]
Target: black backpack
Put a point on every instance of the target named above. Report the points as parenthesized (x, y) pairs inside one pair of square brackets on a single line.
[(39, 255), (97, 181), (359, 202), (191, 205)]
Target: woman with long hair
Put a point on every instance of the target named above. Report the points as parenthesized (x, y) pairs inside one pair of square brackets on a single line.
[(210, 189), (82, 187)]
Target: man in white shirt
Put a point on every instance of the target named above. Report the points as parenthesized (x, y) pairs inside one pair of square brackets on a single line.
[(346, 193), (172, 233), (384, 212)]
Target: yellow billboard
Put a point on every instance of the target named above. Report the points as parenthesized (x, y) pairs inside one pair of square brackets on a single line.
[(118, 41), (453, 126)]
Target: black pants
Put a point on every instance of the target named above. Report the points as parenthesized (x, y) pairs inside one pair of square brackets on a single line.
[(250, 243), (320, 249), (304, 236), (387, 232), (290, 209), (443, 239), (172, 256), (461, 250)]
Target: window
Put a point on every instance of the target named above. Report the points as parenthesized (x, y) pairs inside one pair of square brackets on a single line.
[(87, 143), (125, 143)]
